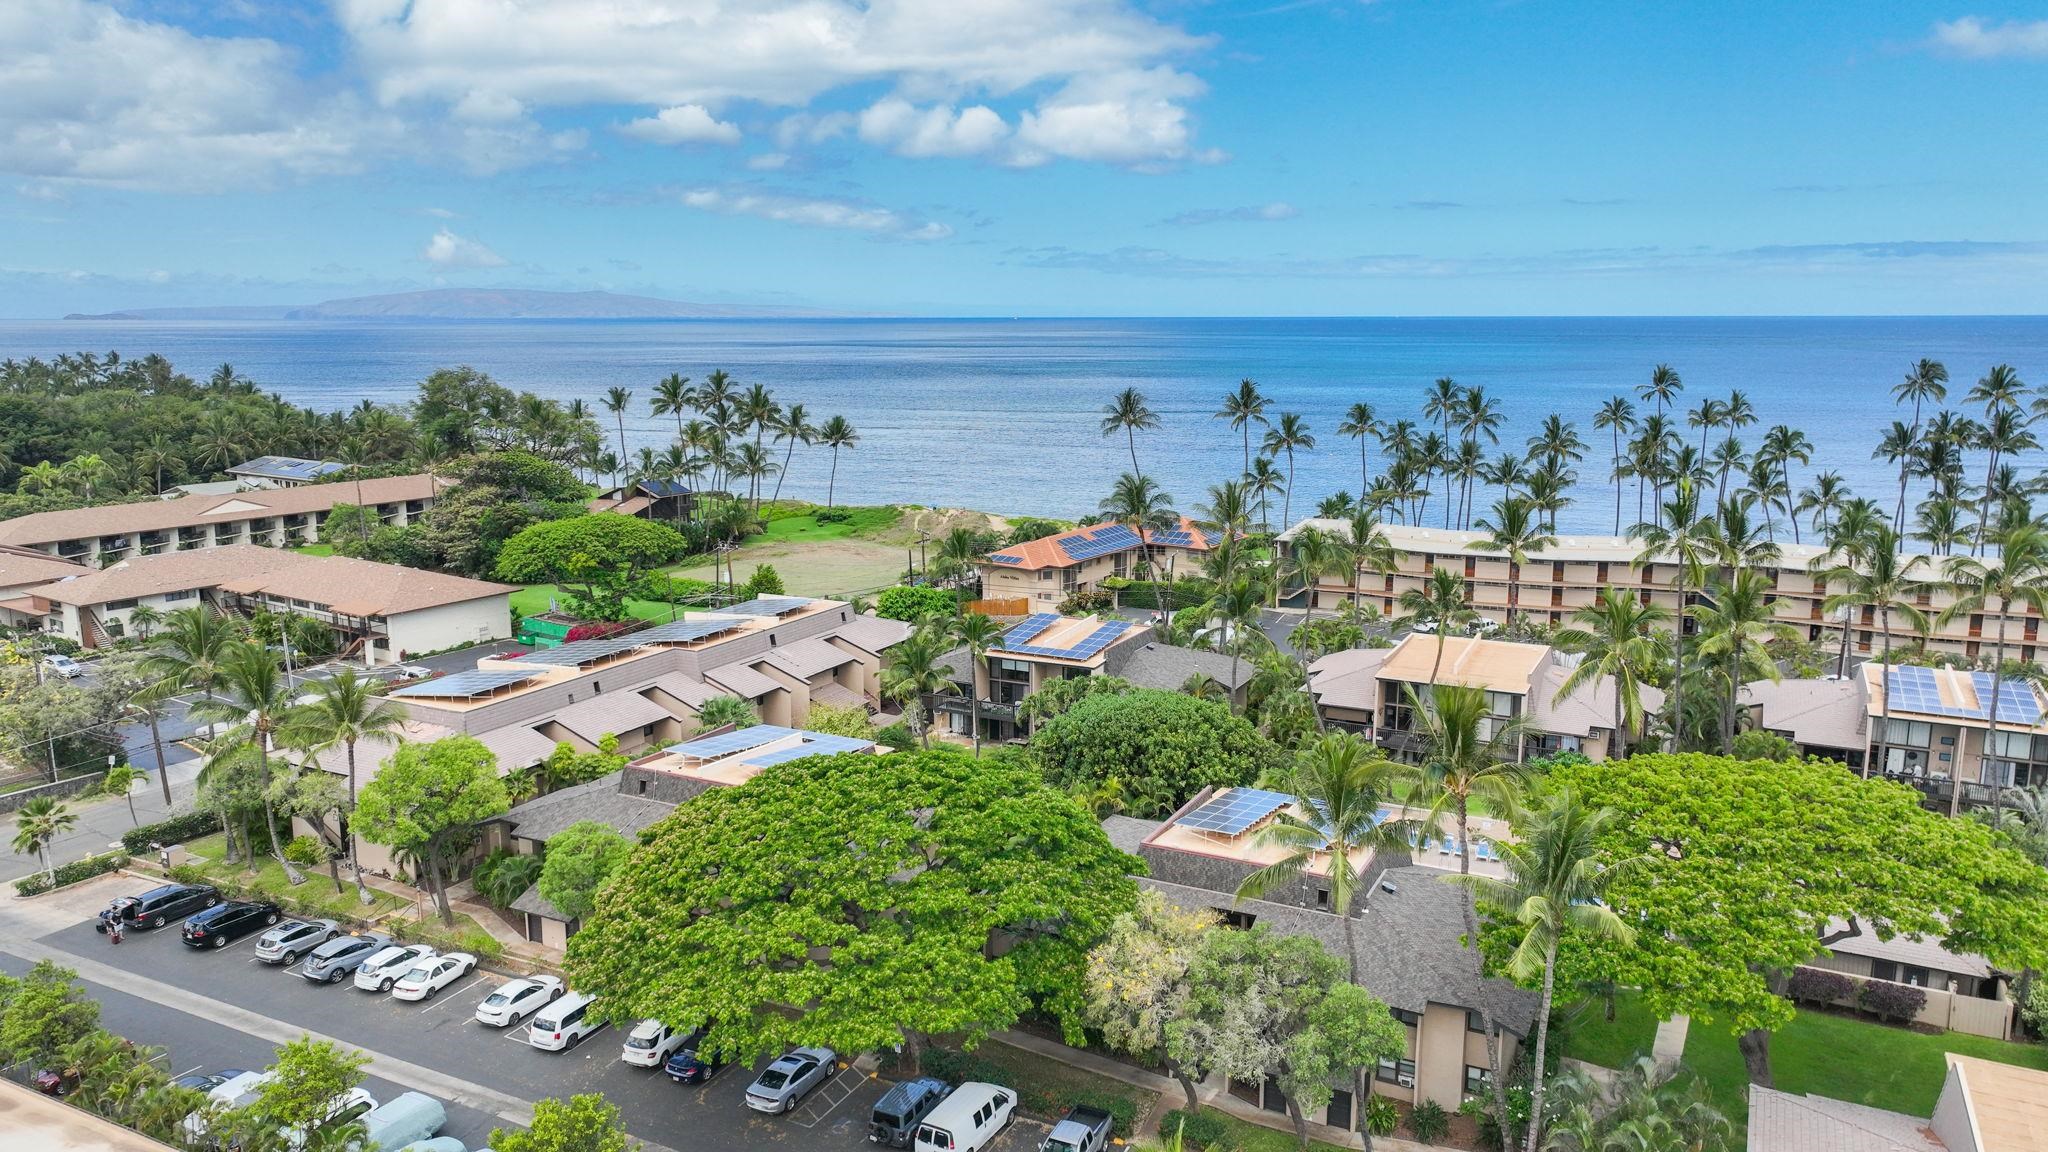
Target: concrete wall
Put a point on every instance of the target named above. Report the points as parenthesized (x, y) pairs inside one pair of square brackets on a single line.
[(432, 629), (1439, 1055), (73, 786)]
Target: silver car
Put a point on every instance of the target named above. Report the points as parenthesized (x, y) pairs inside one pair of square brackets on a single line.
[(332, 962), (292, 939), (785, 1082)]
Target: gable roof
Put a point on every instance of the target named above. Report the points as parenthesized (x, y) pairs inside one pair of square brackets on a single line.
[(154, 515), (1168, 666), (544, 817), (871, 633), (1090, 541), (1496, 665), (1783, 1122), (21, 567), (171, 572), (1349, 679), (806, 658), (1820, 713), (355, 587)]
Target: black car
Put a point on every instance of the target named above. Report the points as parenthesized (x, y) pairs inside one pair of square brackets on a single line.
[(207, 1081), (218, 926), (687, 1066), (159, 906)]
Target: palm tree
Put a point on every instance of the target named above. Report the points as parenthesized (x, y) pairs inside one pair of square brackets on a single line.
[(1237, 607), (189, 654), (2004, 434), (1468, 754), (1684, 541), (1553, 882), (915, 674), (1737, 621), (1899, 445), (156, 456), (1244, 408), (1368, 548), (346, 711), (836, 433), (2018, 575), (120, 781), (1339, 784), (1440, 598), (1883, 583), (672, 398), (979, 635), (1663, 388), (1820, 502), (720, 711), (793, 427), (1263, 482), (1137, 503), (1288, 435), (1782, 446), (256, 698), (1359, 423), (1128, 414), (1514, 530), (1928, 380), (1612, 635), (145, 618), (616, 401), (37, 824)]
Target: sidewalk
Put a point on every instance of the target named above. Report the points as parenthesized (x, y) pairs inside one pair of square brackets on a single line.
[(1210, 1091)]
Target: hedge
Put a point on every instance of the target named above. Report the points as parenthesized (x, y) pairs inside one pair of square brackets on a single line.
[(176, 830), (1891, 1001), (71, 873), (1820, 986), (1044, 1099), (1199, 1130)]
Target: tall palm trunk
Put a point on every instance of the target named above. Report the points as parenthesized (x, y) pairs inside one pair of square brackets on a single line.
[(1984, 505), (355, 857), (1131, 438), (1536, 1079), (833, 483), (1615, 465), (163, 772), (1884, 735)]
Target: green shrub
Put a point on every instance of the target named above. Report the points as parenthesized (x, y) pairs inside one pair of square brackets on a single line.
[(1758, 744), (1381, 1117), (765, 581), (306, 851), (176, 830), (1198, 1130), (832, 515), (896, 736), (503, 876), (71, 873), (908, 603), (1087, 603), (1429, 1121), (194, 874)]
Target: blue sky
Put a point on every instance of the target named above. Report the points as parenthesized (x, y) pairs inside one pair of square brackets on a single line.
[(996, 157)]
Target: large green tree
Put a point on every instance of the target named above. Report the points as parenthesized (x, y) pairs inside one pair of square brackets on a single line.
[(1138, 980), (582, 1123), (884, 899), (600, 560), (429, 797), (1752, 867), (42, 1013), (579, 860), (1162, 747)]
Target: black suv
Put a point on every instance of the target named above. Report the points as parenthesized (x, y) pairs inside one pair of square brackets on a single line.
[(159, 906), (218, 926)]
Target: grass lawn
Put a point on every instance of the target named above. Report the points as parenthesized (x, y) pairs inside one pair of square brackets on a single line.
[(1825, 1054), (315, 550), (269, 878), (532, 600), (861, 522), (1245, 1136)]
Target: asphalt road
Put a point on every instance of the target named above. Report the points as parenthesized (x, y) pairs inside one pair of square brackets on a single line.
[(222, 1008)]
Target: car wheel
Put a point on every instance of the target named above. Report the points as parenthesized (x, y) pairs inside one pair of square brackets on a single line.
[(291, 958), (335, 976), (220, 941), (157, 921), (431, 990), (270, 919), (554, 996), (384, 985), (332, 934)]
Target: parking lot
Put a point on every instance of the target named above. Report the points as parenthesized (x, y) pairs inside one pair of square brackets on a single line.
[(214, 1008)]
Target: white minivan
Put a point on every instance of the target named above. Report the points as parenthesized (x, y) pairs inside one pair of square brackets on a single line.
[(561, 1024), (967, 1120)]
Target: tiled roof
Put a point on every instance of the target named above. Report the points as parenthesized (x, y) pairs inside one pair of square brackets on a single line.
[(189, 511), (611, 714), (1496, 665), (1783, 1122), (1590, 707), (1085, 543), (544, 817), (365, 588)]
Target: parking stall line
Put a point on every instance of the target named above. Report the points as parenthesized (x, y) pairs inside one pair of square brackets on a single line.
[(188, 1071), (439, 1001)]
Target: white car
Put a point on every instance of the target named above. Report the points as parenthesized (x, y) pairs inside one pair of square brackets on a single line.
[(62, 665), (432, 974), (515, 1000), (384, 967), (651, 1043)]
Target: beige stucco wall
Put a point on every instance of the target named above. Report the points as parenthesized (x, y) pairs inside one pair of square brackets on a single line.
[(1440, 1057), (432, 629)]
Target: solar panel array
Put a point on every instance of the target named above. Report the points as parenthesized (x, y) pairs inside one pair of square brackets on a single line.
[(684, 631), (1103, 636), (1915, 689), (1098, 542), (1005, 558), (818, 744), (660, 488), (767, 606), (579, 653), (1234, 812), (290, 467), (1025, 629), (727, 743), (1183, 538), (466, 685)]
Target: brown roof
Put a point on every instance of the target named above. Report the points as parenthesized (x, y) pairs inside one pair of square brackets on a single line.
[(1349, 679), (2008, 1103), (1496, 665), (20, 567), (1050, 551), (171, 572), (365, 588), (188, 511)]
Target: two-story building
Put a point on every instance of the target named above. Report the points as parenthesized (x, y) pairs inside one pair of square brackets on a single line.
[(1050, 569), (1410, 931), (1368, 690), (284, 471)]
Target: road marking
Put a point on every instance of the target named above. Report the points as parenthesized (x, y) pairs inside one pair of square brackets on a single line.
[(853, 1083), (189, 1071)]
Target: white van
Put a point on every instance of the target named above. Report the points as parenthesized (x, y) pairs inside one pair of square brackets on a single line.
[(967, 1120), (561, 1024)]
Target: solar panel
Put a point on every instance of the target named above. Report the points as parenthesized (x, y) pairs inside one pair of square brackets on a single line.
[(1916, 689), (817, 744), (727, 743), (1103, 636), (1030, 626), (1235, 811), (1100, 541), (684, 631), (466, 685), (1004, 558), (767, 606), (660, 488), (579, 653)]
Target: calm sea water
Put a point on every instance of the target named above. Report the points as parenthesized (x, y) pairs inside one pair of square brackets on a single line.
[(1003, 414)]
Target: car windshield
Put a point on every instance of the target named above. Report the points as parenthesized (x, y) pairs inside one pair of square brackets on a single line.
[(774, 1078), (638, 1041)]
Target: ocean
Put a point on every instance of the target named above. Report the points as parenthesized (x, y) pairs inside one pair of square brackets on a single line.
[(1003, 415)]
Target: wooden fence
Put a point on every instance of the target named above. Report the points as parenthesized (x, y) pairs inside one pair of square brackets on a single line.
[(1017, 607)]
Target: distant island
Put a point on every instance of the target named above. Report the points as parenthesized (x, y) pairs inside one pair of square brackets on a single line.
[(474, 304)]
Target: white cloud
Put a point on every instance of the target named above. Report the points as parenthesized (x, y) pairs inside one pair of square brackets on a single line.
[(897, 124), (438, 213), (1277, 210), (1972, 37), (815, 212), (768, 161), (1132, 117), (447, 250), (683, 124)]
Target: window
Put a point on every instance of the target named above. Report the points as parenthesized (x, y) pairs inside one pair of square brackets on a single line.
[(1411, 1019), (1322, 897), (1475, 1021), (1477, 1080), (181, 594), (120, 605), (1400, 1072), (1233, 918), (1910, 733), (1045, 573)]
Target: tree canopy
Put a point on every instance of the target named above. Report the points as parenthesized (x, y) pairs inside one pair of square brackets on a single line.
[(579, 860), (599, 560), (1160, 747), (886, 898), (582, 1123), (1752, 864), (427, 797)]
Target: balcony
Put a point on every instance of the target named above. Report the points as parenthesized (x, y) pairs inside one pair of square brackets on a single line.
[(964, 706)]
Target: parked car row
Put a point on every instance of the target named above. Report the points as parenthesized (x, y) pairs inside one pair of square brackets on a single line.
[(408, 1119)]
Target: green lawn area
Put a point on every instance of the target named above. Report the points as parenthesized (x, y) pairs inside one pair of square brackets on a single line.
[(1822, 1053), (315, 549), (1245, 1136), (862, 522), (532, 600), (269, 878)]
